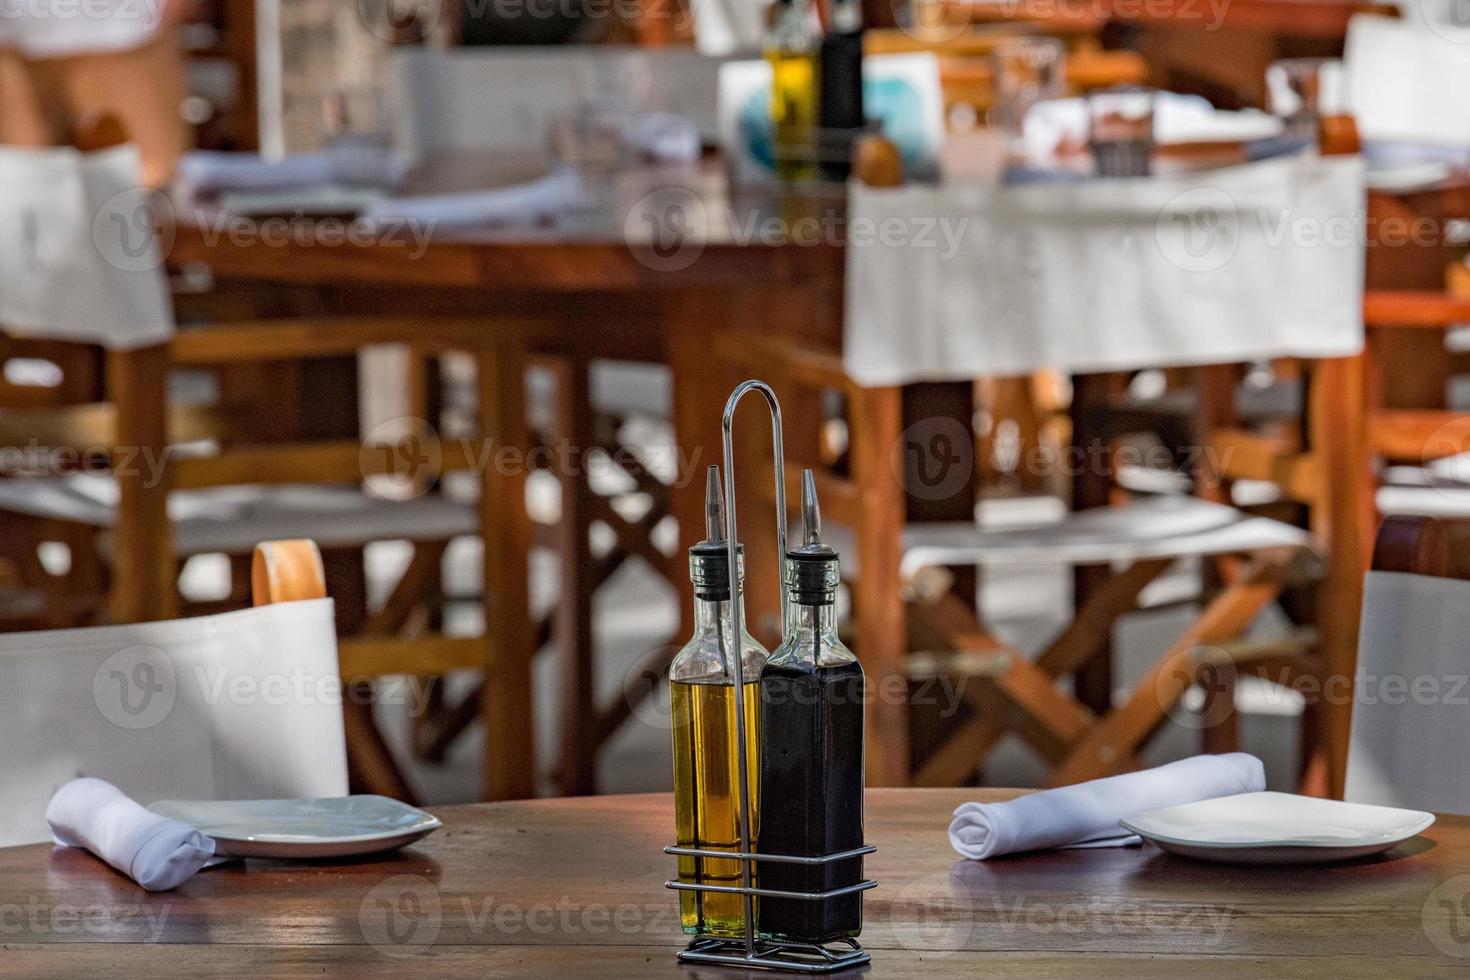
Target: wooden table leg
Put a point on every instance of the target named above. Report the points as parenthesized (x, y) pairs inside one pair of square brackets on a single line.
[(577, 769), (144, 579), (508, 711)]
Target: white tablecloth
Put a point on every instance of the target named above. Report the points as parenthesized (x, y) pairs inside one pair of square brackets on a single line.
[(962, 281)]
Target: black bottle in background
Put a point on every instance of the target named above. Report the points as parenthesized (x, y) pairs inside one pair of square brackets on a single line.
[(840, 91), (811, 755)]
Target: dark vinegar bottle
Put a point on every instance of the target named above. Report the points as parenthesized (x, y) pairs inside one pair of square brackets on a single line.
[(840, 95), (811, 756)]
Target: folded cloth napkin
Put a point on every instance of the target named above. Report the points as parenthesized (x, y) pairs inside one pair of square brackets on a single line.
[(1061, 124), (154, 851), (205, 172), (665, 137), (518, 204), (1087, 814)]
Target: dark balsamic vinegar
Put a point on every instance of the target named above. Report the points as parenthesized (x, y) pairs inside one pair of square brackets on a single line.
[(811, 791)]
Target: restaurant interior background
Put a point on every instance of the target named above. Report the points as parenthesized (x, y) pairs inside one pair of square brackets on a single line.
[(992, 476), (499, 94), (538, 84)]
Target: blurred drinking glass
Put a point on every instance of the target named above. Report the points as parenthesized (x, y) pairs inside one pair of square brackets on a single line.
[(356, 119), (589, 138), (1293, 95), (1121, 130), (1024, 71), (1300, 91)]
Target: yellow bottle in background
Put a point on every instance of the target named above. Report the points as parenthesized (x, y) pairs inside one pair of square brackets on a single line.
[(706, 745), (791, 49)]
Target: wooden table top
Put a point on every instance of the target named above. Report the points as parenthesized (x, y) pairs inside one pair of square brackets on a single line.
[(1296, 18), (708, 234), (569, 887)]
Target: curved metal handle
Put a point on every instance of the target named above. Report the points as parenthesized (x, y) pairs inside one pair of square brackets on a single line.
[(737, 624)]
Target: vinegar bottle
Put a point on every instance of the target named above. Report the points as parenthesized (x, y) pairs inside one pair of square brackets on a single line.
[(706, 758), (811, 756), (840, 99)]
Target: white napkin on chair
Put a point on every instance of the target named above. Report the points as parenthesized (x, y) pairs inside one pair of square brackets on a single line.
[(154, 851), (1087, 814)]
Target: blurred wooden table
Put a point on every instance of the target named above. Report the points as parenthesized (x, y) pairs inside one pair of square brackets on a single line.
[(664, 256), (575, 887), (1298, 18)]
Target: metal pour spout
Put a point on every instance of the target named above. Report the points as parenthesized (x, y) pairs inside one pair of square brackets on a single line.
[(811, 512), (714, 507)]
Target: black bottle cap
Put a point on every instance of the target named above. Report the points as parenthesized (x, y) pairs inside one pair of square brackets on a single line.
[(812, 571), (709, 561)]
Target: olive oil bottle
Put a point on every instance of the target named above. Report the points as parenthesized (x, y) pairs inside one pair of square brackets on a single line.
[(811, 753), (791, 50), (706, 757)]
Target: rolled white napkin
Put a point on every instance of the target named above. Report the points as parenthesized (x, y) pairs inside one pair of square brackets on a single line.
[(207, 172), (517, 204), (154, 851), (1087, 814)]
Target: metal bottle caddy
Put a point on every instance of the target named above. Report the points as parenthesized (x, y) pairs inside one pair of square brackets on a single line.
[(753, 952)]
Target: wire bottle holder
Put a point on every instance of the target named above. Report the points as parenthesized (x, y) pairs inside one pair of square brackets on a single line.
[(751, 951)]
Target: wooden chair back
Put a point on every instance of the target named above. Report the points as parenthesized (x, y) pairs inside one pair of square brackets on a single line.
[(180, 709), (1408, 715)]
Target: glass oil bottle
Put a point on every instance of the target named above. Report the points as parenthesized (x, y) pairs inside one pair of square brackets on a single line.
[(811, 751), (791, 50), (706, 760)]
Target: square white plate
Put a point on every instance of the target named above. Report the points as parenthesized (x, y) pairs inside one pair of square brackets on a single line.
[(1277, 828), (338, 826)]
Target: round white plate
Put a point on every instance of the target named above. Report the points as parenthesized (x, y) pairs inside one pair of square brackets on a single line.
[(1277, 828), (339, 826), (1408, 176)]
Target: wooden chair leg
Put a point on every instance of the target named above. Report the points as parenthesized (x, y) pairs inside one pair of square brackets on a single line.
[(878, 603), (143, 586), (577, 768), (1103, 749)]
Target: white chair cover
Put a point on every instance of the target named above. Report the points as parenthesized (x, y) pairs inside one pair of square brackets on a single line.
[(52, 29), (1157, 527), (244, 705), (1406, 79), (79, 259), (233, 519), (1411, 701), (963, 281)]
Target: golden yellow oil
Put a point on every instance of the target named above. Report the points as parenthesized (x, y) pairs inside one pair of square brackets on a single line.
[(707, 799), (794, 114)]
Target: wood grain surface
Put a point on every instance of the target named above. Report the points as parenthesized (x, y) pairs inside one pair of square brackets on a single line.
[(574, 887)]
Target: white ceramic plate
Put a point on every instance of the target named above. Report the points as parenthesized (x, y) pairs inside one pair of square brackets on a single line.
[(334, 827), (1277, 828), (1408, 176)]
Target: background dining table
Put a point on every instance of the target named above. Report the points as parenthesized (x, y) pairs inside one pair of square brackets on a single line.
[(575, 887)]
